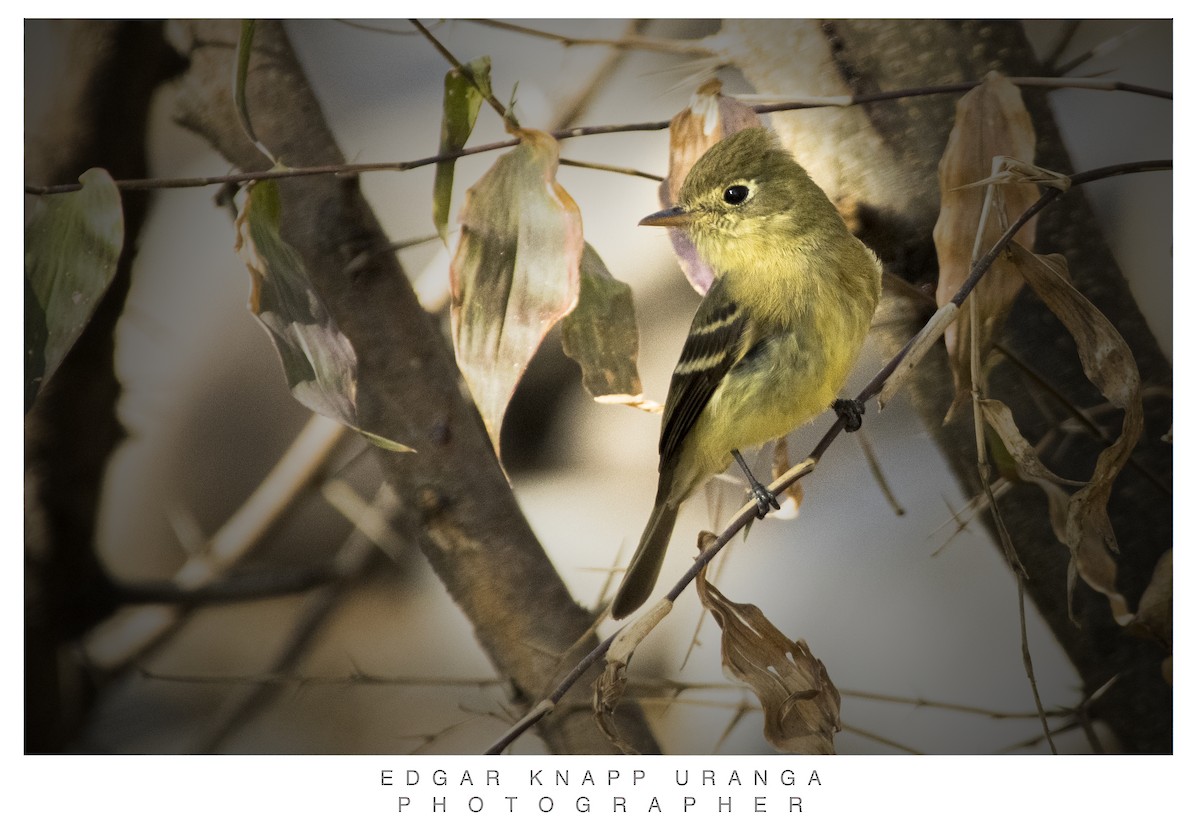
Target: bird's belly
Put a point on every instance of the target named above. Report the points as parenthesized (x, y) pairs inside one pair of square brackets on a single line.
[(754, 412)]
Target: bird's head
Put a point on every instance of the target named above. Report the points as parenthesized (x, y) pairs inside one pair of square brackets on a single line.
[(745, 198)]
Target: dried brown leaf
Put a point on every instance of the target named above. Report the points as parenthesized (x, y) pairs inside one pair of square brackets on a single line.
[(1154, 614), (1024, 456), (801, 706), (1014, 171), (515, 272), (1109, 365), (606, 695), (610, 685), (989, 121), (709, 117)]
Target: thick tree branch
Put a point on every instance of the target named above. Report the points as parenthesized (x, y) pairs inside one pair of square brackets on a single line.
[(890, 170), (455, 499), (96, 119)]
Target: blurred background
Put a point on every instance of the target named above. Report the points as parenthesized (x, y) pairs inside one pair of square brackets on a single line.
[(913, 615)]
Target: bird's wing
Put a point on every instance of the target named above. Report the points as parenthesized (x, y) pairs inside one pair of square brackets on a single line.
[(714, 344)]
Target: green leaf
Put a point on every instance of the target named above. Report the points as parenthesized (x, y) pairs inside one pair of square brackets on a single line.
[(461, 100), (515, 272), (36, 336), (319, 362), (72, 245), (601, 333), (241, 73), (245, 46)]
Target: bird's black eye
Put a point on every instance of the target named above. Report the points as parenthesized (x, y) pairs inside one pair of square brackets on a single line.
[(736, 194)]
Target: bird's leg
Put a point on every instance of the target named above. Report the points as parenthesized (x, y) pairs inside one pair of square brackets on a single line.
[(852, 410), (765, 499)]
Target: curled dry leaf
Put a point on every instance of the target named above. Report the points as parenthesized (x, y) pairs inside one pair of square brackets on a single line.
[(319, 362), (1024, 456), (1109, 365), (709, 117), (610, 685), (1014, 171), (989, 121), (515, 272), (606, 695), (601, 334), (1154, 614), (72, 245), (1155, 610), (801, 706)]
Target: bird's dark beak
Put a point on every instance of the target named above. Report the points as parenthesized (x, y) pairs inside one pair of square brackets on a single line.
[(673, 217)]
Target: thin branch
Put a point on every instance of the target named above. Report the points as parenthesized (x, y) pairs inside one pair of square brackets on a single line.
[(367, 27), (576, 132), (1065, 35), (985, 469), (864, 443), (637, 173), (871, 736), (749, 511), (649, 44), (510, 122), (300, 464), (350, 562), (601, 75), (1099, 50)]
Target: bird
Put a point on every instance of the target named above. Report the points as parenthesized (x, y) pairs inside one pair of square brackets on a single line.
[(773, 339)]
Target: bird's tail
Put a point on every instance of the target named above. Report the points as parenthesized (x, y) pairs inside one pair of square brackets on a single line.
[(643, 570)]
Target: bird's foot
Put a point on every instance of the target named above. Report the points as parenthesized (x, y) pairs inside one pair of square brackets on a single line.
[(765, 499)]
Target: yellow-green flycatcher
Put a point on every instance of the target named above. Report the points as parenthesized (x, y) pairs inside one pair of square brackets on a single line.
[(774, 337)]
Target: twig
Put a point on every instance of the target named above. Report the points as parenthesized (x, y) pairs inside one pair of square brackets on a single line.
[(862, 733), (1099, 50), (864, 443), (350, 562), (985, 468), (300, 464), (649, 44), (574, 107), (510, 122), (1065, 36), (749, 511), (572, 132), (637, 173)]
